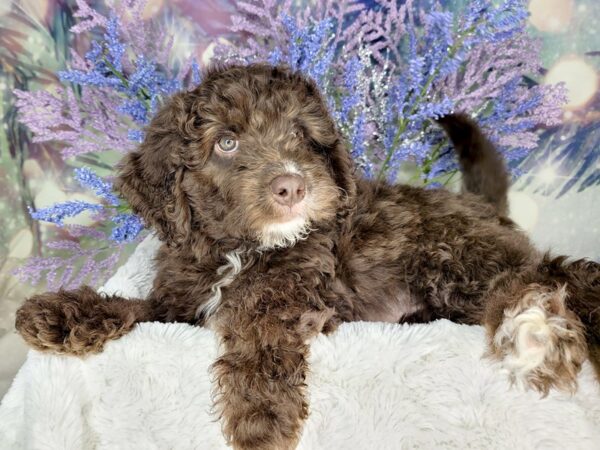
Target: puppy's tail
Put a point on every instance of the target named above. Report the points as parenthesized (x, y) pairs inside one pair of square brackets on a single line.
[(483, 169)]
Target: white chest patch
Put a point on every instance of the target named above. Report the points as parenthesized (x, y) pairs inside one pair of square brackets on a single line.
[(227, 272)]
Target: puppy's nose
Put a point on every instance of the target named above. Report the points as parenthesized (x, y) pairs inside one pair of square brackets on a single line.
[(288, 189)]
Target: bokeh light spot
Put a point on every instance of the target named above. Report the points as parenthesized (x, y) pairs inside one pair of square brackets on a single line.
[(152, 8), (551, 16), (523, 210), (581, 80)]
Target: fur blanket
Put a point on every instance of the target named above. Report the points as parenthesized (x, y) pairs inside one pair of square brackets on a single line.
[(371, 385)]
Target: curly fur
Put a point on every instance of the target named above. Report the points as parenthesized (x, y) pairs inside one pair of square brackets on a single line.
[(76, 322), (351, 250), (540, 341)]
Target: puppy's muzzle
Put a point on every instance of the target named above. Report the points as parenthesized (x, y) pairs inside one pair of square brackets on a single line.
[(288, 189)]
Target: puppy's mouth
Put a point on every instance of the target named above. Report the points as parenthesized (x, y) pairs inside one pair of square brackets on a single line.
[(282, 234), (288, 225), (287, 213)]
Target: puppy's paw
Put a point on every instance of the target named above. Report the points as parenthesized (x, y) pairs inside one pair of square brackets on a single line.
[(264, 431), (540, 342), (72, 322)]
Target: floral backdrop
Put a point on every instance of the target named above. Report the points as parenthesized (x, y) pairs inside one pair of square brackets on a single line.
[(79, 79)]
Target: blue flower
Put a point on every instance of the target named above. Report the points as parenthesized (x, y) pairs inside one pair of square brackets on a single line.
[(136, 136), (438, 39), (433, 110), (309, 50), (115, 49), (351, 98), (88, 179), (59, 211), (275, 57), (358, 136), (88, 78), (136, 109), (444, 164), (128, 227), (196, 78)]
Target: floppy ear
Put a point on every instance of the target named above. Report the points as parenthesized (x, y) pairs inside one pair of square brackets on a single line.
[(151, 177), (341, 164), (326, 140), (323, 135)]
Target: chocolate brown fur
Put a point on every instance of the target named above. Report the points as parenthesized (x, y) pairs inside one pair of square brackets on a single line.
[(76, 322), (352, 250)]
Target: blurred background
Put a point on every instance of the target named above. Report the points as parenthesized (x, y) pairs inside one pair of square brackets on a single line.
[(556, 198)]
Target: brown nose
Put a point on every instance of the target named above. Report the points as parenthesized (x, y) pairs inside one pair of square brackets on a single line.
[(288, 189)]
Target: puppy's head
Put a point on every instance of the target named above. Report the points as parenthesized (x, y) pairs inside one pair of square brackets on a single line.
[(251, 154)]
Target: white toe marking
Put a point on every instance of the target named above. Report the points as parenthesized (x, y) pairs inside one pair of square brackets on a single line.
[(530, 334)]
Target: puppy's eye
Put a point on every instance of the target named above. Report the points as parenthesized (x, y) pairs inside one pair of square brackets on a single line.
[(226, 145)]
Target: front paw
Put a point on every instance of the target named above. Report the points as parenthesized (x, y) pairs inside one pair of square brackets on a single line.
[(72, 322), (261, 398), (264, 430)]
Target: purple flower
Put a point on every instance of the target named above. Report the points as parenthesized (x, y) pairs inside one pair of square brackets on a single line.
[(75, 265)]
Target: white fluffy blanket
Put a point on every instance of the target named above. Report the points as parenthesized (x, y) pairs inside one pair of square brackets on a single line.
[(371, 386)]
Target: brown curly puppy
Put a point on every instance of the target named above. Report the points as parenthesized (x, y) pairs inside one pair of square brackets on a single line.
[(269, 239)]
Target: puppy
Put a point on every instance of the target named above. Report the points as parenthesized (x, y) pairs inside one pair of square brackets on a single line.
[(270, 238)]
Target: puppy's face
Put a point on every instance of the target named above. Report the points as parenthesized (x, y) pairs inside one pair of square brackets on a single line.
[(257, 157), (269, 179)]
